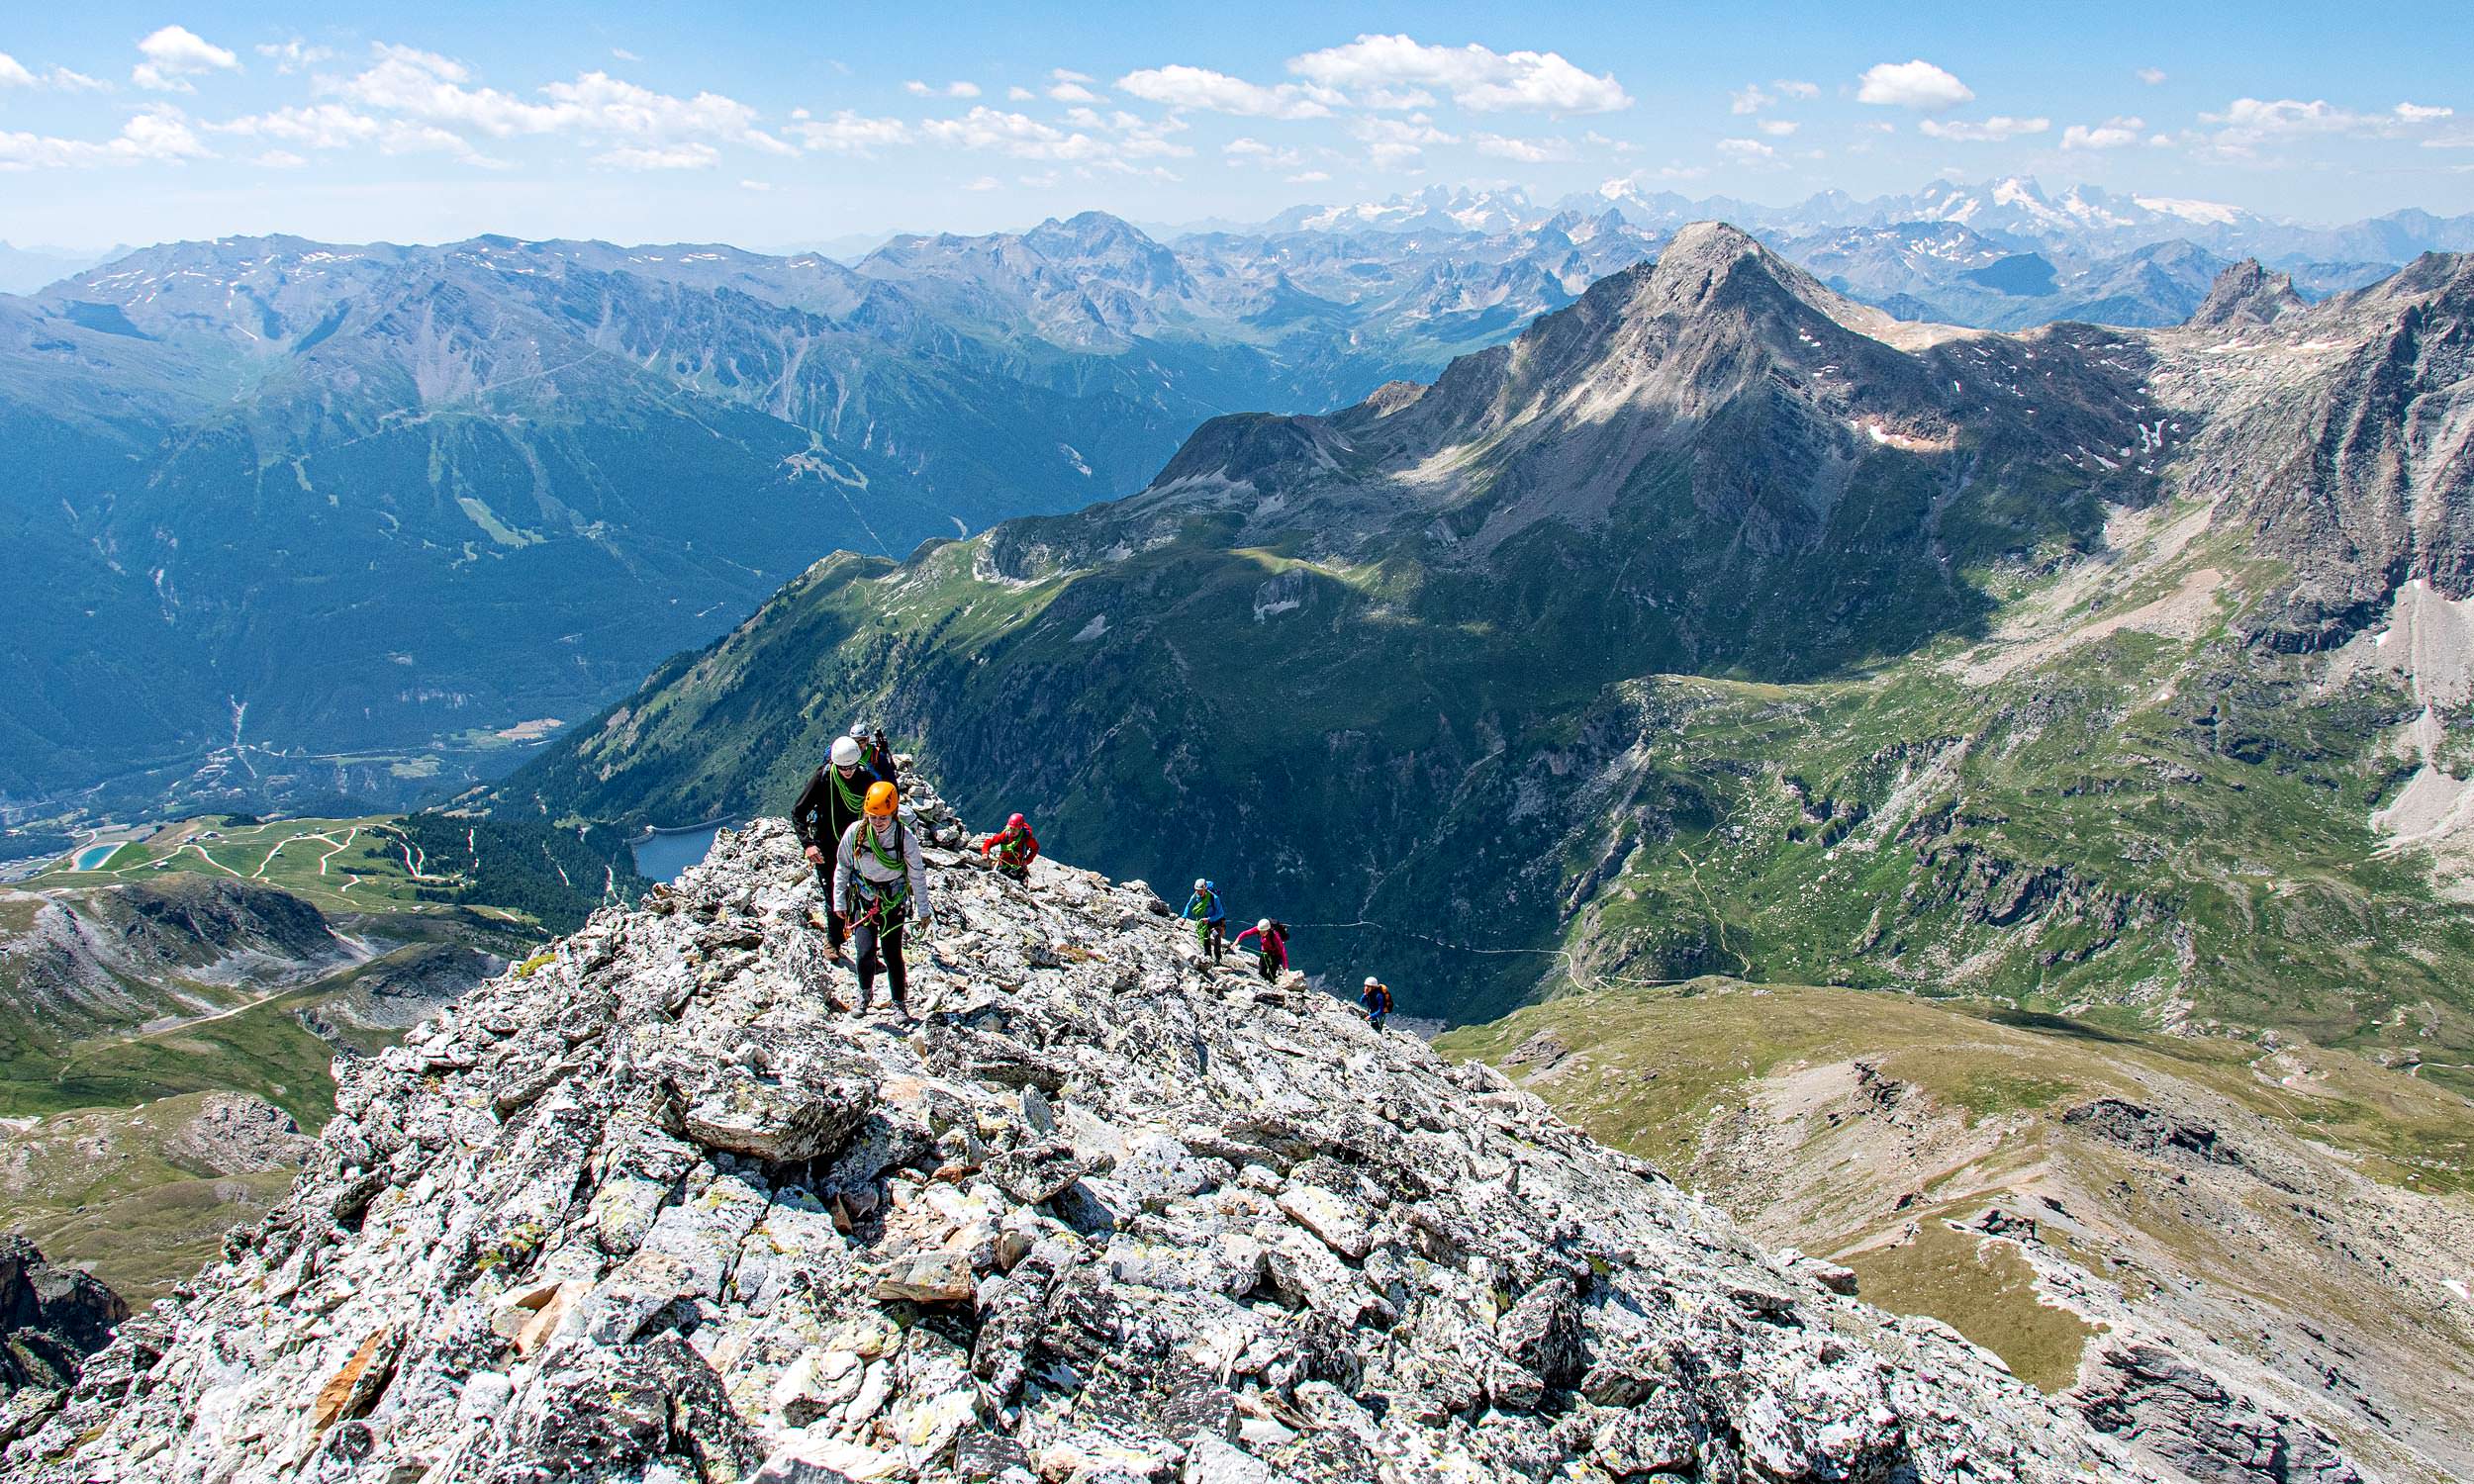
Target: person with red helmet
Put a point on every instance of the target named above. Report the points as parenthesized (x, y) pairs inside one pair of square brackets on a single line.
[(880, 886), (1013, 848)]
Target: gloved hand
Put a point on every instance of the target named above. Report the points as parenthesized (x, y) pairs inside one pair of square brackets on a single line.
[(815, 855)]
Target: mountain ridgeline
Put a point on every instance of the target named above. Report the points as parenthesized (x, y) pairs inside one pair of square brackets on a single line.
[(490, 484), (1600, 646)]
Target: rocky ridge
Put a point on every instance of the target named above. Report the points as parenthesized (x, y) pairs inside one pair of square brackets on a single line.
[(660, 1210), (50, 1318)]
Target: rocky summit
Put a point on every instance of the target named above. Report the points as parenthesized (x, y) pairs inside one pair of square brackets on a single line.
[(666, 1209)]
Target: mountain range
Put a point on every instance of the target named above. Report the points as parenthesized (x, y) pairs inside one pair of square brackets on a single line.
[(1719, 623), (489, 485), (2014, 211)]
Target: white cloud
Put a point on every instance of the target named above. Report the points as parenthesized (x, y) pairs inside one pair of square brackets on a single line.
[(596, 106), (1913, 84), (1776, 129), (1019, 94), (2245, 124), (1307, 177), (173, 55), (1992, 130), (1749, 100), (850, 133), (1017, 134), (1475, 76), (2113, 134), (1788, 87), (294, 55), (1180, 86), (321, 126), (1598, 141), (687, 156), (2150, 75), (1747, 151), (1527, 152), (1392, 141), (403, 137), (984, 183), (623, 54), (13, 73), (1074, 92), (1253, 151), (756, 185), (280, 160), (332, 126), (160, 135), (75, 82), (950, 90)]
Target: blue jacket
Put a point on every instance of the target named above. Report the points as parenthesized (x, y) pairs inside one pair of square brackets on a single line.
[(1200, 900)]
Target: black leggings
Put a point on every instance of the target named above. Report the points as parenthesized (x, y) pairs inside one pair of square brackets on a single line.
[(835, 930), (871, 943)]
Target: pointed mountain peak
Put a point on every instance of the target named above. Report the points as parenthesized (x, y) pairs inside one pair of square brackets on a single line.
[(2248, 294), (1710, 260)]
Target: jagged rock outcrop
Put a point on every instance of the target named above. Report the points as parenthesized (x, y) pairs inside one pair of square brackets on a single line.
[(51, 1320), (661, 1211), (2248, 294)]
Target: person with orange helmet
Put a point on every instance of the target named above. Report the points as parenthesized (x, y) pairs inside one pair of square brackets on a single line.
[(1014, 848), (880, 886)]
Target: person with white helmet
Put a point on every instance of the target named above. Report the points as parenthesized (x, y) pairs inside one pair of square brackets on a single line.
[(1376, 999), (834, 801), (1210, 918), (1272, 945)]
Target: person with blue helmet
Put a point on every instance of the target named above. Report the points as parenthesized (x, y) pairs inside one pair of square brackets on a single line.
[(1210, 919)]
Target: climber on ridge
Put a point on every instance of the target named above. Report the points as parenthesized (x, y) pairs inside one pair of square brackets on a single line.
[(1210, 918), (829, 806), (1376, 999), (1271, 939), (876, 751), (1014, 847), (879, 884)]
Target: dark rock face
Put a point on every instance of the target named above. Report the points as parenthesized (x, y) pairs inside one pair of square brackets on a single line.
[(51, 1320), (2148, 1395)]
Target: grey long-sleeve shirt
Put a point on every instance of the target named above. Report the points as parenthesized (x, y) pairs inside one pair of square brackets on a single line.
[(855, 861)]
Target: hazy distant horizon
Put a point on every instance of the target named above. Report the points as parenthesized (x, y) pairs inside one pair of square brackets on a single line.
[(123, 123)]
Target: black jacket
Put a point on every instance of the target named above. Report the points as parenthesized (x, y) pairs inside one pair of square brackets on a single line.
[(819, 816)]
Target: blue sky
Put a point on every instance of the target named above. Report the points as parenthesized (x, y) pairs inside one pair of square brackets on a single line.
[(773, 123)]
